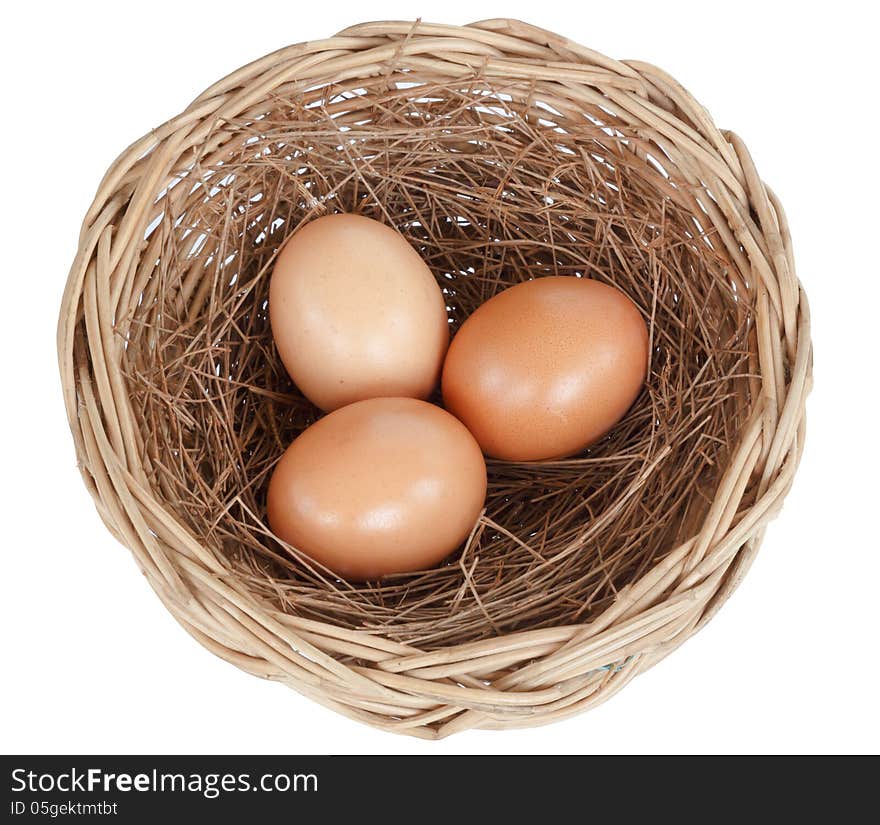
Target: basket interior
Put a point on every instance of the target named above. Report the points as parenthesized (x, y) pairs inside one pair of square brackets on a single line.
[(492, 184)]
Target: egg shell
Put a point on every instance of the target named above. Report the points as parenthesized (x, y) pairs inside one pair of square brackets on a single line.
[(546, 367), (356, 313), (382, 486)]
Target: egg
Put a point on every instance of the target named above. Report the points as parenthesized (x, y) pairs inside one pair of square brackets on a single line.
[(356, 313), (546, 367), (386, 485)]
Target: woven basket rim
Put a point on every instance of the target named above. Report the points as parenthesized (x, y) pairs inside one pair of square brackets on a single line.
[(520, 678)]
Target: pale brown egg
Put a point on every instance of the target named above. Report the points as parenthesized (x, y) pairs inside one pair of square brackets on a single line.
[(545, 368), (387, 485), (356, 313)]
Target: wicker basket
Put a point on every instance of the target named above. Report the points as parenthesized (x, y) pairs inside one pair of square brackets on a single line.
[(502, 151)]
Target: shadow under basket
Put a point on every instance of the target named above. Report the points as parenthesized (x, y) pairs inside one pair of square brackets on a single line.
[(502, 152)]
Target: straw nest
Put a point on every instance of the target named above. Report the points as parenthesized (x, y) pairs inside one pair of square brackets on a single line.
[(502, 152)]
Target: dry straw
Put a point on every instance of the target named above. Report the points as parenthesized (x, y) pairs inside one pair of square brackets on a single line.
[(502, 152)]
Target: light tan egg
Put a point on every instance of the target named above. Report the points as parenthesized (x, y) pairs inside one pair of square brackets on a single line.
[(356, 313)]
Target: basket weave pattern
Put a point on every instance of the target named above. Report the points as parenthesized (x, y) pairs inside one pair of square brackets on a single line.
[(523, 668)]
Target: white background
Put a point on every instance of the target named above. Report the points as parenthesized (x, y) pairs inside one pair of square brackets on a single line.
[(93, 663)]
